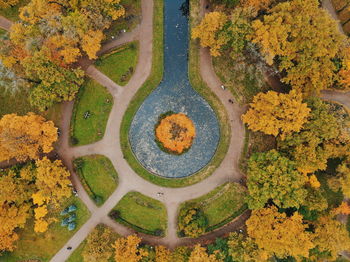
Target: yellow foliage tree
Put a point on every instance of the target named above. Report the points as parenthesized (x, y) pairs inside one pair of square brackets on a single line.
[(40, 212), (279, 235), (52, 181), (8, 3), (24, 137), (162, 254), (331, 236), (344, 209), (40, 225), (276, 113), (199, 254), (126, 249), (208, 32), (92, 43), (305, 39), (99, 245), (11, 217), (257, 5), (313, 181)]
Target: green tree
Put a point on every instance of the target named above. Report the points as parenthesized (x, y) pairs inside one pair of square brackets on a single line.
[(318, 140), (274, 177)]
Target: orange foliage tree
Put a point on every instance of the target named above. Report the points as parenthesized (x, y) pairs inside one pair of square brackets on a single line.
[(25, 137), (126, 249), (175, 132)]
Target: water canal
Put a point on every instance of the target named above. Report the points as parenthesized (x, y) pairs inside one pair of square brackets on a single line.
[(174, 94)]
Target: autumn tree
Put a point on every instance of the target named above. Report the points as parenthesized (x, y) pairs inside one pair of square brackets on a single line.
[(257, 5), (199, 254), (304, 40), (162, 254), (208, 31), (180, 254), (98, 245), (319, 139), (25, 137), (244, 249), (192, 222), (279, 235), (49, 38), (8, 3), (274, 177), (52, 181), (341, 181), (343, 209), (14, 207), (11, 218), (277, 113), (331, 236), (315, 200), (126, 249)]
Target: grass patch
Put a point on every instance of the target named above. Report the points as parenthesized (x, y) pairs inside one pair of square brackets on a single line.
[(95, 99), (131, 19), (98, 176), (45, 245), (77, 254), (13, 12), (119, 65), (142, 213), (15, 102), (242, 79), (18, 103), (221, 205), (152, 82)]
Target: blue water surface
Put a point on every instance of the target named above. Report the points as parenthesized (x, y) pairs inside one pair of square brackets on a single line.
[(174, 94)]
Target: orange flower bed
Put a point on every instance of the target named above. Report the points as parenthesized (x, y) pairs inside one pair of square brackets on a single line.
[(175, 132)]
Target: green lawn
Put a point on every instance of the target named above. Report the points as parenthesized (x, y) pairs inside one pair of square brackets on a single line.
[(131, 19), (96, 100), (142, 213), (77, 254), (98, 176), (43, 246), (221, 205), (152, 82), (13, 12), (119, 65)]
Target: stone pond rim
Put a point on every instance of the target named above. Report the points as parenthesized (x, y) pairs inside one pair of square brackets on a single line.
[(174, 94)]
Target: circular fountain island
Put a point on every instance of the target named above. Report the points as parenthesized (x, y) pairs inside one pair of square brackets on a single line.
[(175, 132)]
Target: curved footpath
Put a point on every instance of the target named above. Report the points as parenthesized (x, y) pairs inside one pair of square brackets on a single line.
[(110, 146), (128, 179)]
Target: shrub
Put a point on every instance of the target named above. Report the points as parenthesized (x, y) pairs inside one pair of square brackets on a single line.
[(192, 222), (115, 214)]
